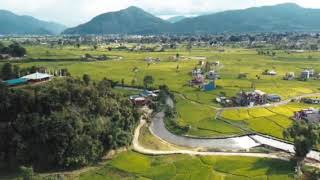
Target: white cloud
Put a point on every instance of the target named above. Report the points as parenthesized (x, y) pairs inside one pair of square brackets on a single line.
[(73, 12)]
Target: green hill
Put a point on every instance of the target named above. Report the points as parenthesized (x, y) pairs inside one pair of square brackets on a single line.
[(287, 17), (176, 19), (128, 21), (280, 18), (22, 25)]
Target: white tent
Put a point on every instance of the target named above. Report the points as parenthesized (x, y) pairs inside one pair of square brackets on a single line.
[(37, 76)]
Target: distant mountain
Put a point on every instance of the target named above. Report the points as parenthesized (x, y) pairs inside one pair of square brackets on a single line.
[(279, 18), (11, 23), (176, 19), (286, 17), (132, 20)]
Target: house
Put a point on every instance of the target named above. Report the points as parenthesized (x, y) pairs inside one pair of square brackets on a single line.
[(139, 101), (213, 75), (272, 73), (289, 76), (307, 74), (5, 56), (38, 77), (311, 100), (150, 94), (251, 98), (201, 63), (144, 98), (224, 101), (196, 72), (310, 115), (198, 79), (273, 98)]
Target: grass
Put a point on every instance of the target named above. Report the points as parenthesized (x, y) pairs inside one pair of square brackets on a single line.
[(131, 165), (147, 140), (201, 120)]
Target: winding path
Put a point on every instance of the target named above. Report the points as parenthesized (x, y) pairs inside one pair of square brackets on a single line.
[(137, 147), (235, 144), (230, 146)]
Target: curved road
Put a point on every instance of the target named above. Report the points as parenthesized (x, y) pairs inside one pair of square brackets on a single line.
[(159, 130), (229, 144)]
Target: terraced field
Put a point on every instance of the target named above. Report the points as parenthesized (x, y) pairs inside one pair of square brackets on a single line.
[(130, 165), (271, 121)]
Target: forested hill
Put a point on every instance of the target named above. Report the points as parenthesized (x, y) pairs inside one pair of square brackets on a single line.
[(287, 17), (64, 124), (11, 23), (132, 20), (280, 18)]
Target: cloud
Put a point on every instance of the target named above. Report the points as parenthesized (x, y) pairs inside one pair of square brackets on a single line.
[(71, 12)]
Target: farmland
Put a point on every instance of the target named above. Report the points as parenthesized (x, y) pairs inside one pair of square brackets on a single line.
[(196, 108), (130, 165)]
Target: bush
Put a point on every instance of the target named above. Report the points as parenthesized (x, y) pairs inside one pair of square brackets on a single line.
[(27, 173)]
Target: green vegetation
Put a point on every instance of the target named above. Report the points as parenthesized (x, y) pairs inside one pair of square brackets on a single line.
[(201, 120), (130, 165), (272, 121), (14, 50), (66, 123), (305, 137), (147, 140), (196, 109), (276, 18), (17, 24)]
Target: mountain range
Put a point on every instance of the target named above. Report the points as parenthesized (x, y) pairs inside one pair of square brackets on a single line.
[(12, 24), (288, 17), (176, 19)]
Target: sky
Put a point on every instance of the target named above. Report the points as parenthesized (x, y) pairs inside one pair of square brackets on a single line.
[(74, 12)]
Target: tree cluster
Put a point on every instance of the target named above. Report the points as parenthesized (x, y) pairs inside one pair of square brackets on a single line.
[(9, 71), (14, 50), (64, 124)]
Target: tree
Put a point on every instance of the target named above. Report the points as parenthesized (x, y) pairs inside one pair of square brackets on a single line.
[(7, 71), (16, 50), (27, 173), (148, 80), (122, 82), (305, 136), (16, 70), (63, 124), (86, 79), (177, 56), (133, 82)]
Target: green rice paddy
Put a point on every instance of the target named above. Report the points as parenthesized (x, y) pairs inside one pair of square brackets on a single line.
[(196, 109), (130, 165)]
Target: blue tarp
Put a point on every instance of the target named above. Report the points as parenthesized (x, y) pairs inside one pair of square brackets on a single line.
[(15, 82), (209, 87)]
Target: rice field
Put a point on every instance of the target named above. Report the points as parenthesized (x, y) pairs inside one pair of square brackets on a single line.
[(199, 116), (270, 121), (130, 165)]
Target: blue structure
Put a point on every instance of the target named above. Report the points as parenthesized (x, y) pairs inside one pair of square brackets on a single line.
[(16, 82), (210, 86)]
